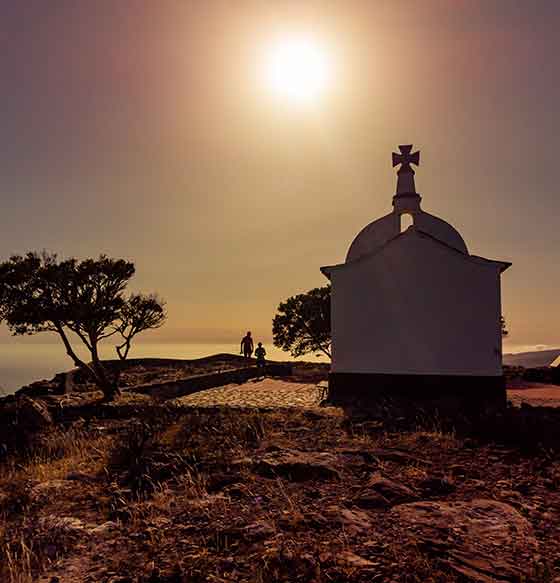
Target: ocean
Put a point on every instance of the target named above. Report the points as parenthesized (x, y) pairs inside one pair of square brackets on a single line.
[(22, 363)]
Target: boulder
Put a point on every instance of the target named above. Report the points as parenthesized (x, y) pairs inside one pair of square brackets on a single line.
[(370, 500), (108, 528), (298, 466), (352, 521), (394, 492), (32, 414), (483, 540)]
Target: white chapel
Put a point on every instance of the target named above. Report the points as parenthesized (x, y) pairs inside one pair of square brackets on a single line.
[(412, 311)]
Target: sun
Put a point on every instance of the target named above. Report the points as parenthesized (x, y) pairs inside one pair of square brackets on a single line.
[(297, 69)]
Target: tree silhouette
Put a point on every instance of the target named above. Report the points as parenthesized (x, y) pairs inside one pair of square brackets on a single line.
[(303, 323), (81, 300), (503, 326), (139, 313)]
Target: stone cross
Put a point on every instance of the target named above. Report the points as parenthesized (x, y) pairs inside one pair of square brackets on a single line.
[(405, 181)]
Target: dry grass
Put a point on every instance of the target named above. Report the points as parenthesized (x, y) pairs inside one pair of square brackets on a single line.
[(58, 454), (181, 492), (25, 548), (18, 559)]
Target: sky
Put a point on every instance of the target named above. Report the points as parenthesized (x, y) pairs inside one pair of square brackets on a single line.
[(143, 130)]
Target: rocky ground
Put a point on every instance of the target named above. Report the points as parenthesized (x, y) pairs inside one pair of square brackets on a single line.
[(227, 486)]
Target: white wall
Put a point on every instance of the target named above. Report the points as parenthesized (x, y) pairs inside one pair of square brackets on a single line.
[(416, 307)]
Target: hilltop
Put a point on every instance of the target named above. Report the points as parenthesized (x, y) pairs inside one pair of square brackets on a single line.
[(532, 359), (168, 490)]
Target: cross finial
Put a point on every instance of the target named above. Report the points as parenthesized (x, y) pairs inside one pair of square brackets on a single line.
[(405, 182)]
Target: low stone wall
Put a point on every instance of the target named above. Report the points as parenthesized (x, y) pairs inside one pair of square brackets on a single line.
[(183, 387)]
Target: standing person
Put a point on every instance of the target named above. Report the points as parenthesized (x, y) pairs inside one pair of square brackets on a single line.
[(260, 353), (247, 345)]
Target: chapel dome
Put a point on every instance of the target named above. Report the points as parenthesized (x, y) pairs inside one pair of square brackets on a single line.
[(376, 234), (440, 230)]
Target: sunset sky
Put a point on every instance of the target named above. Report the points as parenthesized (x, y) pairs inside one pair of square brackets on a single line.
[(144, 129)]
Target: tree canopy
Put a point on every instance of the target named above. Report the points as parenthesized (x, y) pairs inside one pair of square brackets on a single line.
[(78, 300), (303, 323)]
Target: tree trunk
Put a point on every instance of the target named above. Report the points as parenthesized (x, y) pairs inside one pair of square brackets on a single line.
[(109, 386), (126, 346), (96, 370)]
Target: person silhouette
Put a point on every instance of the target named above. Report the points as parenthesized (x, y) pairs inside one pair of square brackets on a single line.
[(247, 345), (260, 353)]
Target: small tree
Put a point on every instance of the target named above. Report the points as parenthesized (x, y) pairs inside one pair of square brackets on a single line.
[(81, 300), (303, 323), (139, 313)]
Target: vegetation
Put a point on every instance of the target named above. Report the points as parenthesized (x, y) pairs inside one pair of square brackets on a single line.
[(503, 325), (303, 323), (139, 313), (80, 301), (181, 494)]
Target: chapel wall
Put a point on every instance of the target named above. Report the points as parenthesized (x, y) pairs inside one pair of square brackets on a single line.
[(417, 307)]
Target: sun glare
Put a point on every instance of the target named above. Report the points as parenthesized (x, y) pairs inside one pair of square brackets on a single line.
[(297, 68)]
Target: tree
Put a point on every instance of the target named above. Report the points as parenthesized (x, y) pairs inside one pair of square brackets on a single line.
[(303, 323), (78, 300), (503, 326), (139, 313)]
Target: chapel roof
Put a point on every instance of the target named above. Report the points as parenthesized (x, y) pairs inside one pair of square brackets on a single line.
[(411, 232), (406, 201), (382, 230)]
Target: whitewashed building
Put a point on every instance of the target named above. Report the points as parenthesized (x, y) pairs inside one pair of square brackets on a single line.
[(412, 311)]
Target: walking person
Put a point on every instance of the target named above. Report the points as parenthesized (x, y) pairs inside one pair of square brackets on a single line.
[(260, 353), (247, 345)]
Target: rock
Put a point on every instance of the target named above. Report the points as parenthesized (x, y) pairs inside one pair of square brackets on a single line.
[(33, 414), (258, 530), (106, 529), (298, 466), (63, 525), (39, 389), (394, 492), (511, 497), (221, 480), (483, 540), (398, 456), (433, 486), (353, 521), (371, 499), (80, 477), (237, 491), (458, 470), (350, 559), (374, 456)]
